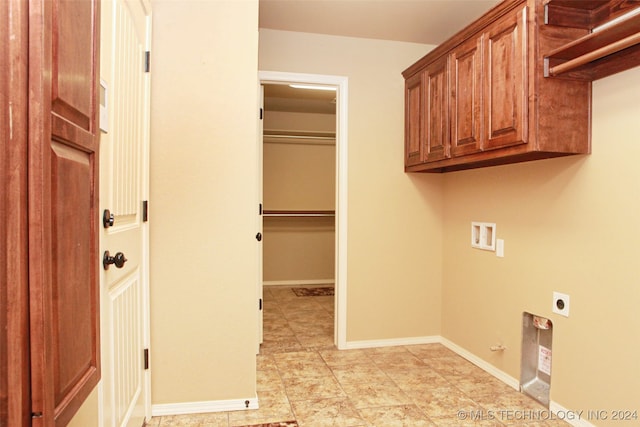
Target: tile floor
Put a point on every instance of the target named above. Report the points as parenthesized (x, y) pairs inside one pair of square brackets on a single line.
[(302, 377)]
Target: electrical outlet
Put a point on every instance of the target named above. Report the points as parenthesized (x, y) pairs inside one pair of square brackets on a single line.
[(561, 304)]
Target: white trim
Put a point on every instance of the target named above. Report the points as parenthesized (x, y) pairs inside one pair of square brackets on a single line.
[(352, 345), (342, 96), (574, 418), (298, 282), (101, 411), (202, 407), (146, 313), (486, 366)]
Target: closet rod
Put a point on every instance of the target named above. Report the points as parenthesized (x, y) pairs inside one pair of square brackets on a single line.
[(323, 138), (296, 213)]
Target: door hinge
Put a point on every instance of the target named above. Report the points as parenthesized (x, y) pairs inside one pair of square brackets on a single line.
[(146, 359), (260, 304), (261, 113), (145, 210), (36, 415), (147, 61), (260, 209)]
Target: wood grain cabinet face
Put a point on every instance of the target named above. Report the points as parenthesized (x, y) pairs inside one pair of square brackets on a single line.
[(413, 121), (467, 111), (486, 101), (436, 122), (505, 81), (427, 115)]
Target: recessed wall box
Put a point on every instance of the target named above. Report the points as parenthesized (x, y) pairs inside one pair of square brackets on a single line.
[(483, 235)]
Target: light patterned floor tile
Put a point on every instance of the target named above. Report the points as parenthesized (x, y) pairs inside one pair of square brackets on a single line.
[(218, 419), (359, 374), (302, 376), (372, 394), (443, 402), (396, 416), (327, 413), (317, 387)]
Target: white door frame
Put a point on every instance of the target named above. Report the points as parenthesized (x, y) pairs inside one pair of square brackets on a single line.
[(342, 92)]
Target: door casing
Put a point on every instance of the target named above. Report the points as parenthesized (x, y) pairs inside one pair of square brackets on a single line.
[(342, 92)]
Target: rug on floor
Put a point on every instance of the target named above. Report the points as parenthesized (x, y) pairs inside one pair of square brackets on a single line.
[(314, 292), (281, 424)]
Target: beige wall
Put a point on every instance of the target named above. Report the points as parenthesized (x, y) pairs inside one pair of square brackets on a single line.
[(298, 175), (569, 225), (298, 250), (203, 206), (394, 219)]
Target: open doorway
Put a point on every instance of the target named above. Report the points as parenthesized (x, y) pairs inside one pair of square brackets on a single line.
[(304, 182)]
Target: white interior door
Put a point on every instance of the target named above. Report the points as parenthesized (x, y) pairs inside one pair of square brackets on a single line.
[(259, 279), (124, 188)]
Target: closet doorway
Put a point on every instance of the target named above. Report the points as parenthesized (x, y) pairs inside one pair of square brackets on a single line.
[(303, 185)]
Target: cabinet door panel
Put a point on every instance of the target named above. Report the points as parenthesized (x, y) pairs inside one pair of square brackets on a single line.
[(436, 122), (63, 208), (413, 145), (466, 98), (505, 81)]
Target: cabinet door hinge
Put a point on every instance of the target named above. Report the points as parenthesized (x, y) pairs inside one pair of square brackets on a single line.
[(145, 210), (261, 113), (146, 359), (260, 304), (147, 61), (260, 209)]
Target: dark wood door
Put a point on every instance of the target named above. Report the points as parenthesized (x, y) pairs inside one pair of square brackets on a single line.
[(15, 405), (63, 204), (436, 104), (467, 113), (414, 116), (505, 81)]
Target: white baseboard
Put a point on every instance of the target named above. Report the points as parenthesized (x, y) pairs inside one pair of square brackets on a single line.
[(574, 418), (298, 282), (352, 345), (202, 407), (487, 367)]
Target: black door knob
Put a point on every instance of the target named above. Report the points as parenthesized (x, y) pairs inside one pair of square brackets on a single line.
[(118, 260), (259, 237), (107, 219)]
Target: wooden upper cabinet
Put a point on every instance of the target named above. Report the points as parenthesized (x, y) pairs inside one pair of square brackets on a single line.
[(436, 121), (467, 111), (505, 81), (499, 108), (413, 121)]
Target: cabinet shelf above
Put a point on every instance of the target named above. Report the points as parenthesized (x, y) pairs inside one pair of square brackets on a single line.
[(610, 47)]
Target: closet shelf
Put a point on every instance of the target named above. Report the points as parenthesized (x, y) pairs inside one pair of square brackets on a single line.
[(298, 137), (297, 213), (608, 49)]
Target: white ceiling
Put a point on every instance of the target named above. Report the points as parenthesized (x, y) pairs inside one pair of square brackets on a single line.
[(418, 21)]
